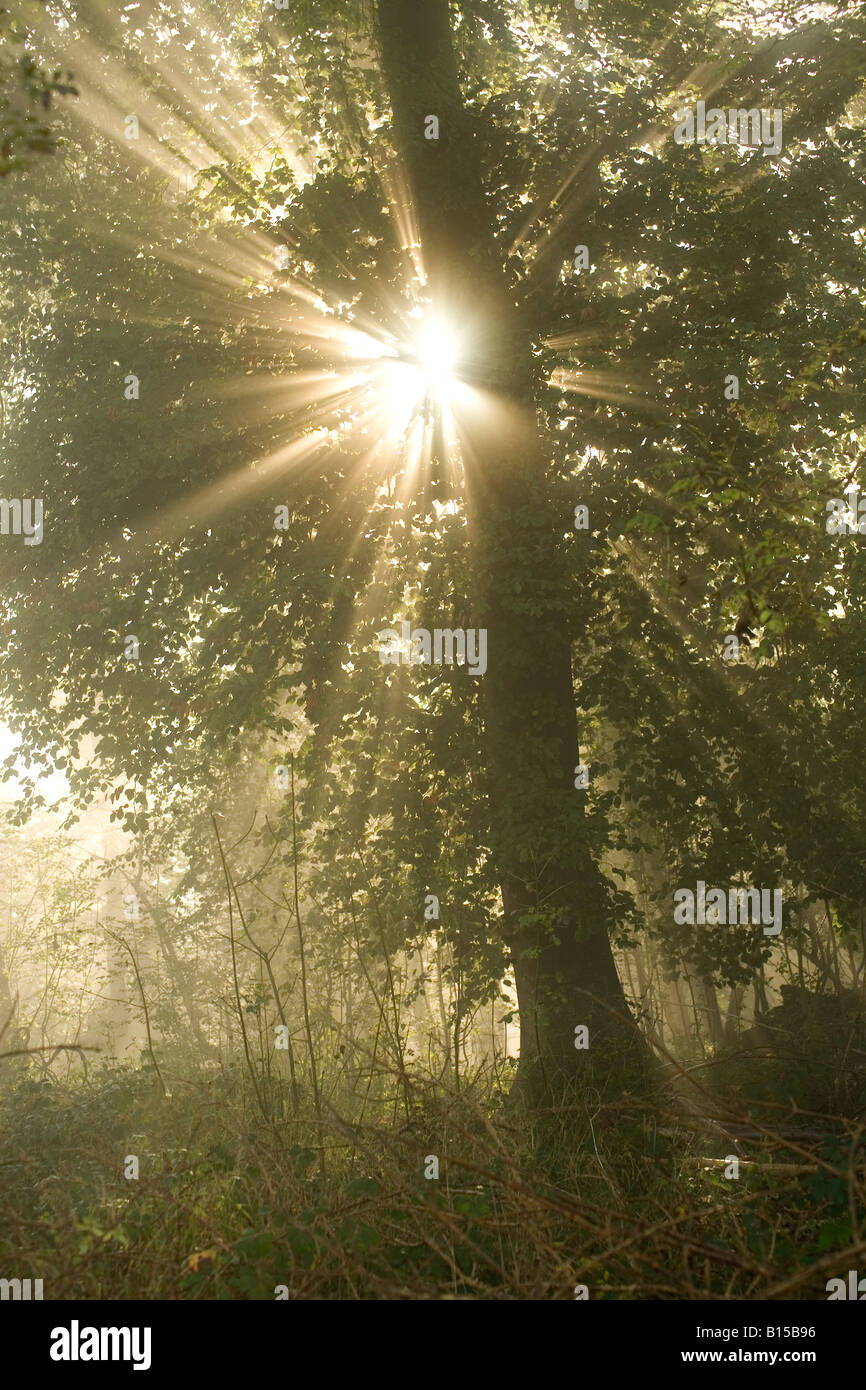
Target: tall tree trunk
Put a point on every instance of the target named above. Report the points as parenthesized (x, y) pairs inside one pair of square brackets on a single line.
[(733, 1015), (162, 925), (711, 1010), (554, 898)]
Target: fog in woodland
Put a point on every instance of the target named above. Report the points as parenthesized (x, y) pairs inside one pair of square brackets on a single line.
[(433, 588)]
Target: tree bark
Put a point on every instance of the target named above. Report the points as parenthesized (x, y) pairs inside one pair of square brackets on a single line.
[(554, 898)]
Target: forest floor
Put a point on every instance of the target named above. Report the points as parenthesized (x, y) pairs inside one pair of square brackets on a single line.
[(238, 1197)]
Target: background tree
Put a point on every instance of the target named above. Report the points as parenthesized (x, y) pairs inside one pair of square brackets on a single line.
[(26, 94)]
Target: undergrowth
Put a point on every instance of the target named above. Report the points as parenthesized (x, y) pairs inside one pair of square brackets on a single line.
[(231, 1205)]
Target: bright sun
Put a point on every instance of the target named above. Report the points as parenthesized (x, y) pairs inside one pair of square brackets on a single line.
[(436, 355), (418, 379)]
